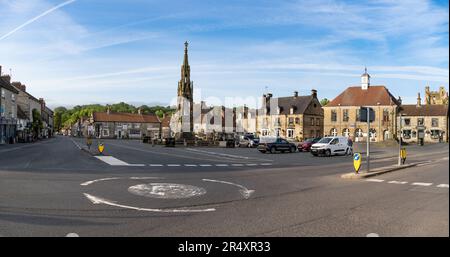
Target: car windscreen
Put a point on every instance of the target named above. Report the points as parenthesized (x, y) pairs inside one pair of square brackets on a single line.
[(325, 140), (309, 140)]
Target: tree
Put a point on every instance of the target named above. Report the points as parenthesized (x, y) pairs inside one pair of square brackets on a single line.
[(324, 101), (36, 125)]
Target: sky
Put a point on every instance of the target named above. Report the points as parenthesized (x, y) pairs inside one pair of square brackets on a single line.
[(107, 51)]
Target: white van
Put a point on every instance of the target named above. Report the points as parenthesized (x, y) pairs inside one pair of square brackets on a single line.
[(329, 146)]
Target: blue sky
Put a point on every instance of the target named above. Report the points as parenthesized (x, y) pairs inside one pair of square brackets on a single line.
[(105, 51)]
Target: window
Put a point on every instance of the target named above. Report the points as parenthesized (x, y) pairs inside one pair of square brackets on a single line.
[(407, 134), (435, 133), (2, 110), (265, 132), (277, 132), (345, 117), (346, 132), (312, 121), (317, 122), (13, 97), (333, 132), (12, 112), (105, 132), (312, 133), (3, 93), (290, 133), (318, 133), (373, 133), (407, 122), (291, 110), (291, 120), (435, 122), (385, 115), (333, 115), (297, 120), (420, 121), (359, 133), (334, 141)]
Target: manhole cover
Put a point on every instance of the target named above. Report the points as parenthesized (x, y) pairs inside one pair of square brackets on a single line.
[(166, 190)]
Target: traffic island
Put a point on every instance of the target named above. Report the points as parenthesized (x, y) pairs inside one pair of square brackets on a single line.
[(377, 171)]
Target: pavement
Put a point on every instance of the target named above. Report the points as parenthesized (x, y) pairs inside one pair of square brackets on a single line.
[(54, 188)]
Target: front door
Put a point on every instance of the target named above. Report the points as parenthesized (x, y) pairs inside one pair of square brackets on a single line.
[(119, 134)]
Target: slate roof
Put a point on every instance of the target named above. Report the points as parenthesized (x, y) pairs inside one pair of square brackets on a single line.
[(6, 85), (424, 110), (125, 117), (300, 104), (356, 96)]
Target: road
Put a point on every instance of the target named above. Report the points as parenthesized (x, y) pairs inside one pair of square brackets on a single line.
[(52, 188)]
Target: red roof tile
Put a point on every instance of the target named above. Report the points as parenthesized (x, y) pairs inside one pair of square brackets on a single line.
[(125, 117), (356, 96)]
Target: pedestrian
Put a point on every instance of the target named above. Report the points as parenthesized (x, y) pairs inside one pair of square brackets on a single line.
[(350, 144)]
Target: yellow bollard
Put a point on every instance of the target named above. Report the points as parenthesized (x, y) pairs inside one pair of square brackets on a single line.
[(101, 148)]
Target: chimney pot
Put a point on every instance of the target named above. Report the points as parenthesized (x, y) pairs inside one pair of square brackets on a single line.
[(295, 93), (314, 93)]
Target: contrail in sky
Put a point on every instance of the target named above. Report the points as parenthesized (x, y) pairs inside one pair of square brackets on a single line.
[(37, 18)]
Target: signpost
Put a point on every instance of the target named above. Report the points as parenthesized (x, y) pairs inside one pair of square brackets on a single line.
[(367, 114)]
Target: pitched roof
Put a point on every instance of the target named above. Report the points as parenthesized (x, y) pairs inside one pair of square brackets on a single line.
[(356, 96), (300, 104), (6, 85), (424, 110), (125, 117)]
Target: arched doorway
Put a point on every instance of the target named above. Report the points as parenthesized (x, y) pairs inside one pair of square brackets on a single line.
[(346, 132), (333, 132)]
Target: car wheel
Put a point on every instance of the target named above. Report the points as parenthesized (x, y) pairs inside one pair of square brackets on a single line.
[(328, 153), (272, 150)]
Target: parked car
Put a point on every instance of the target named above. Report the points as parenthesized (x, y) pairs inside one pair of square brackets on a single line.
[(329, 146), (248, 141), (306, 146), (273, 145)]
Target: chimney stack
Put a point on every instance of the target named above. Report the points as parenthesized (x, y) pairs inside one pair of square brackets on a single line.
[(108, 110), (269, 95), (314, 93), (419, 100), (7, 78), (295, 93), (139, 111)]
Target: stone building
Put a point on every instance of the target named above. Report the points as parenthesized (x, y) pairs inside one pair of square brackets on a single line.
[(342, 113), (430, 120), (294, 117), (436, 97), (124, 125), (27, 104), (8, 110)]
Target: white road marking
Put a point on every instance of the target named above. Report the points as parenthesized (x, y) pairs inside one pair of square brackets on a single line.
[(219, 154), (112, 161), (266, 164), (72, 235), (97, 180), (98, 200), (237, 164), (251, 164), (205, 165), (374, 180), (421, 184), (398, 182), (372, 235), (87, 183), (190, 165), (243, 190), (173, 165), (442, 185), (222, 165), (155, 165), (136, 165)]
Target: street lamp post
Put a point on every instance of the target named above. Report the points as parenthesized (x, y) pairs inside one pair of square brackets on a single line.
[(400, 140)]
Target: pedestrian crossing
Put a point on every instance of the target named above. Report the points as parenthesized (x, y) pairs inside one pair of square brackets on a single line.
[(113, 161), (420, 184)]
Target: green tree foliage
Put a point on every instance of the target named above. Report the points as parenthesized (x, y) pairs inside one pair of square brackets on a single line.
[(36, 125), (64, 117), (324, 101)]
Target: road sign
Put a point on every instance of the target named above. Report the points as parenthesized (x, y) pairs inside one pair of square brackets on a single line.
[(363, 114), (357, 162)]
